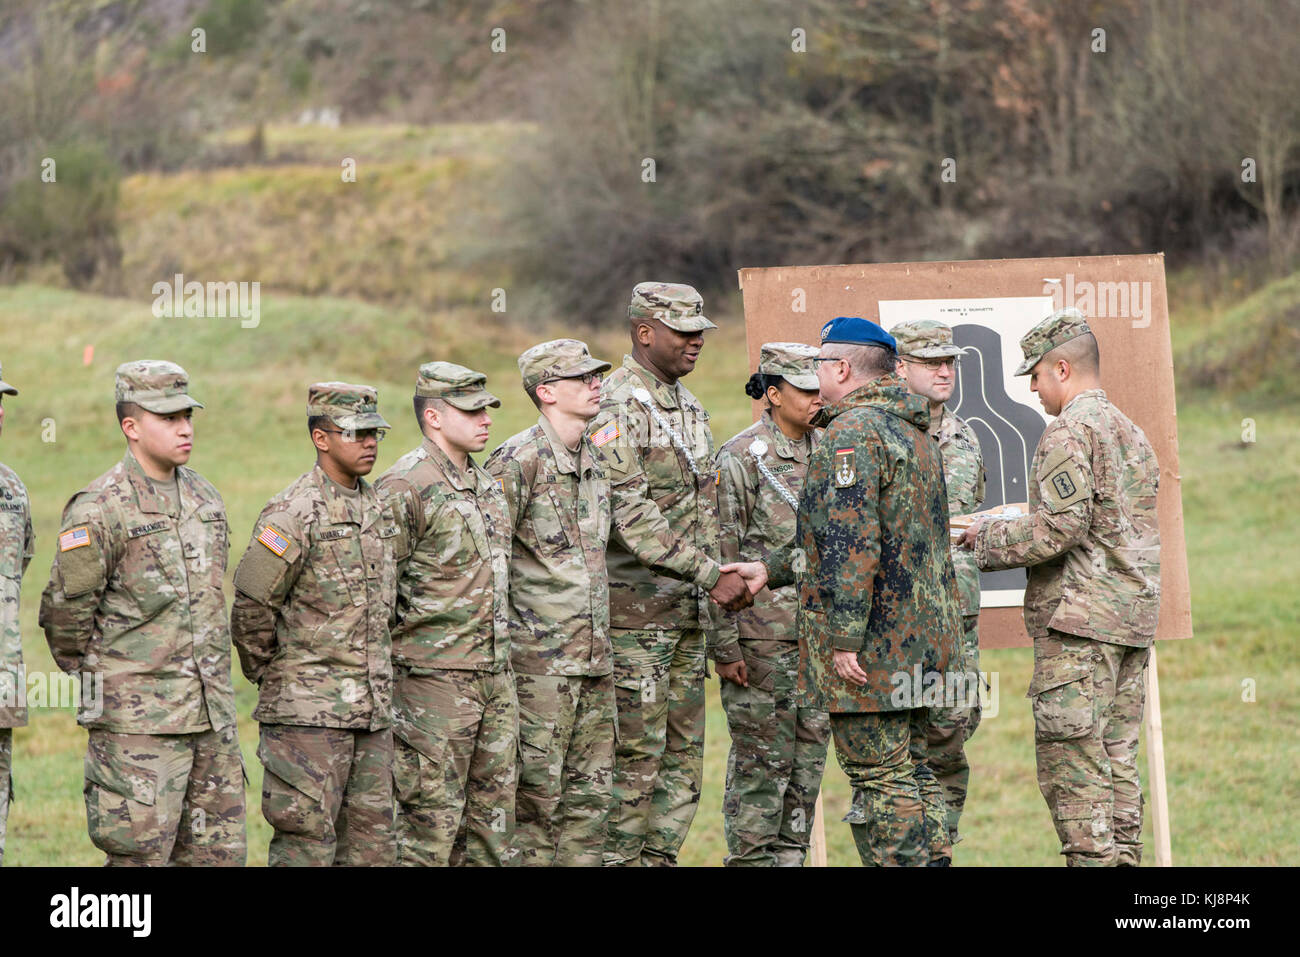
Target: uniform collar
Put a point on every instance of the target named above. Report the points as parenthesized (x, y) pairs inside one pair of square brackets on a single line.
[(782, 444), (337, 505), (1089, 393), (664, 394), (147, 499), (563, 458), (472, 478)]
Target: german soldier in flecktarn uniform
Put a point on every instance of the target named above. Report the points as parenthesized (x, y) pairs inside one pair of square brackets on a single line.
[(1091, 544), (927, 362), (135, 607), (879, 616), (313, 595)]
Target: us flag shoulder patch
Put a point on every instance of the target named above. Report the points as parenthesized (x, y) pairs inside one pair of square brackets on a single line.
[(74, 538), (273, 540), (606, 435)]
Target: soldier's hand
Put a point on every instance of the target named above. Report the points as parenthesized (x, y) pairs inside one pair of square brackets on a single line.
[(754, 573), (733, 671), (847, 667), (968, 537), (731, 592)]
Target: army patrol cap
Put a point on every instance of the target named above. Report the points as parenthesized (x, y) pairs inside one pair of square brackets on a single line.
[(1057, 329), (348, 406), (5, 387), (677, 306), (925, 339), (792, 361), (558, 359), (456, 385), (154, 385)]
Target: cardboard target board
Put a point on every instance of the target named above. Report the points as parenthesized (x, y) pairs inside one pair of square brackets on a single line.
[(990, 304)]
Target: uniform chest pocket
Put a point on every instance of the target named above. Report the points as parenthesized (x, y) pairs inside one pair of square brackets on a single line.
[(152, 569), (458, 538), (337, 560), (549, 527)]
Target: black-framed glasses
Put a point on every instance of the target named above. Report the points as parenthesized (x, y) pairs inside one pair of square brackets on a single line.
[(359, 435), (934, 365), (587, 378), (828, 359)]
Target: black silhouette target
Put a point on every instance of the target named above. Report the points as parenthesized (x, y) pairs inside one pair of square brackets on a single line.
[(1008, 431)]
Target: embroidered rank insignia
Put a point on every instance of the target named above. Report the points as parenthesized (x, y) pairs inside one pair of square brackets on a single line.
[(273, 540), (604, 436), (846, 472), (74, 538)]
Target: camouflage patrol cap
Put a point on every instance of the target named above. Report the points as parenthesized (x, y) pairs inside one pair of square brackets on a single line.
[(1057, 329), (793, 361), (925, 339), (677, 306), (348, 406), (461, 387), (558, 359), (155, 385), (5, 387)]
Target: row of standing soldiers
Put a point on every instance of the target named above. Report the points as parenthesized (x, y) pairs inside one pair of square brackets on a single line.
[(501, 664)]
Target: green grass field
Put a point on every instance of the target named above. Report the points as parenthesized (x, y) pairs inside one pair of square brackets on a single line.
[(1228, 760), (297, 228)]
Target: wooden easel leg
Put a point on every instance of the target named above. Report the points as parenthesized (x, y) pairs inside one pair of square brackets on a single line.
[(1154, 730), (817, 846)]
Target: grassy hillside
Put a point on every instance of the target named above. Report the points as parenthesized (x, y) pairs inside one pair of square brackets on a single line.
[(1231, 793)]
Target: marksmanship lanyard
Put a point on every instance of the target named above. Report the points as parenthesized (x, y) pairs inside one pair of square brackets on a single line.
[(643, 396), (758, 448)]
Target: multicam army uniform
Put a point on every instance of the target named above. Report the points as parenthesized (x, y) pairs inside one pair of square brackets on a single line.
[(135, 601), (16, 544), (456, 716), (963, 470), (1092, 546), (873, 530), (660, 569), (778, 746), (313, 594)]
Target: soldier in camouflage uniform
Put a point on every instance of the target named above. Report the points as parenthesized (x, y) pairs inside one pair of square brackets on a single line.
[(1092, 547), (655, 443), (313, 594), (455, 710), (879, 614), (135, 607), (927, 362), (559, 611), (778, 748), (16, 543)]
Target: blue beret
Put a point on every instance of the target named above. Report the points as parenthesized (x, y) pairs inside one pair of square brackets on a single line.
[(857, 332)]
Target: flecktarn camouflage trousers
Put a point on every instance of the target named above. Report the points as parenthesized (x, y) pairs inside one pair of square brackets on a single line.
[(898, 816)]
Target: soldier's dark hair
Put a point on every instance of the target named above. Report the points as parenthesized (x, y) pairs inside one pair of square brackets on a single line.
[(865, 361), (759, 383), (1081, 352), (531, 391), (127, 410), (315, 422), (420, 403)]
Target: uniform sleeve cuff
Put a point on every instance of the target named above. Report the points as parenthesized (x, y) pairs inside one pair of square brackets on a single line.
[(709, 575)]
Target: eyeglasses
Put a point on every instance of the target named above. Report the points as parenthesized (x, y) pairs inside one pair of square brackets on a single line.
[(358, 435), (933, 365), (828, 359), (587, 378)]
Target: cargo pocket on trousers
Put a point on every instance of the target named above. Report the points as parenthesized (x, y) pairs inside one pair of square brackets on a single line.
[(629, 699), (417, 777), (1063, 700), (535, 741), (121, 805), (292, 797)]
